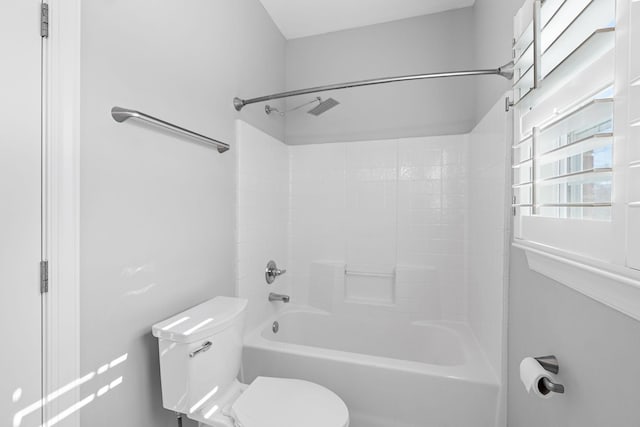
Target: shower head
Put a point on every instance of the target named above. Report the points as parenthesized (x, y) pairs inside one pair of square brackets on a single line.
[(316, 111), (323, 106)]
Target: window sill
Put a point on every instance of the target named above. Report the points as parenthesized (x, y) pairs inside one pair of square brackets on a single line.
[(615, 286)]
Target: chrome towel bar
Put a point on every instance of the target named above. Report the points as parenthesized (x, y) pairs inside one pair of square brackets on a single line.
[(120, 114)]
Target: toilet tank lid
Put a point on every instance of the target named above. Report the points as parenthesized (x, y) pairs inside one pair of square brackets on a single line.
[(201, 321)]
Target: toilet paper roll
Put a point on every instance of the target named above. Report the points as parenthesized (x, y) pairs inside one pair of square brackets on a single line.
[(531, 375)]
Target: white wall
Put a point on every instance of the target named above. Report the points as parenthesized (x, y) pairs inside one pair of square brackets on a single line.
[(158, 211), (431, 43), (378, 205), (597, 348), (262, 219), (476, 37), (20, 215), (492, 45)]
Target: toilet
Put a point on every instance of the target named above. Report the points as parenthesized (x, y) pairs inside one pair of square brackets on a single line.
[(200, 355)]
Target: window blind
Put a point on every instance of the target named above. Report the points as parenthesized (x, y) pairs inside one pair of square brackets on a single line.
[(633, 183), (563, 98)]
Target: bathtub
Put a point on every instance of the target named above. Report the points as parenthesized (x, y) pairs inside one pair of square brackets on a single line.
[(390, 371)]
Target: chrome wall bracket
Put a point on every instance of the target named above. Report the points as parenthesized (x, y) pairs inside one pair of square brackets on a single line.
[(549, 363), (508, 103)]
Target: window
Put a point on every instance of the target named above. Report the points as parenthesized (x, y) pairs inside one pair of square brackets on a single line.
[(564, 117), (576, 149), (633, 232)]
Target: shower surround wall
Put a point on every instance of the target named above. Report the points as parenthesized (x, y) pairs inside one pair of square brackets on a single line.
[(262, 219), (488, 241), (395, 207), (424, 215), (387, 207)]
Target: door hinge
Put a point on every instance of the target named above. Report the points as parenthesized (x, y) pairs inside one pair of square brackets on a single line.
[(44, 20), (44, 277)]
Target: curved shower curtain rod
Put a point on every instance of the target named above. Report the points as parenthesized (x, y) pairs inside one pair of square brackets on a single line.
[(505, 71)]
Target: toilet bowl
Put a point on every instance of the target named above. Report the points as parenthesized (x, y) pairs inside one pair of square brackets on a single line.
[(200, 354)]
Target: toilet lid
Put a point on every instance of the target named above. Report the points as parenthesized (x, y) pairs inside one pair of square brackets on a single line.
[(281, 402)]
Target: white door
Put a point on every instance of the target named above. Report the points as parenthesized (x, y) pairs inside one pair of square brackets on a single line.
[(20, 215)]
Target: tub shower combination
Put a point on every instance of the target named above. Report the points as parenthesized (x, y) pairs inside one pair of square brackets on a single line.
[(389, 370)]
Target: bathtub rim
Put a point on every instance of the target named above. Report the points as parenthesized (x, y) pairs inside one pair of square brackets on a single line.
[(476, 368)]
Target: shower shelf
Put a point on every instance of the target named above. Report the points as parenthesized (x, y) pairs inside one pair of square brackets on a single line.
[(367, 273)]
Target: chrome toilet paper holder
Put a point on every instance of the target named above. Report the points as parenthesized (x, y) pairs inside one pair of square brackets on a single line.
[(550, 363)]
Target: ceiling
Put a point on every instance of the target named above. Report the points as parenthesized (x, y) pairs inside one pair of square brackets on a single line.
[(301, 18)]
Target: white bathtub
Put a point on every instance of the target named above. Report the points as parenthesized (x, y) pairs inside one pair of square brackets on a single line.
[(390, 372)]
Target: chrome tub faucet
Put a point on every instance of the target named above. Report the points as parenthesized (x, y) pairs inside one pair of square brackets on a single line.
[(278, 297)]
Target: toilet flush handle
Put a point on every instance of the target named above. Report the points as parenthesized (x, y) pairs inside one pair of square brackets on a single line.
[(204, 347)]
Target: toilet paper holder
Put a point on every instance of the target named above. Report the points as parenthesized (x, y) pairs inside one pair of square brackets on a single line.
[(550, 363)]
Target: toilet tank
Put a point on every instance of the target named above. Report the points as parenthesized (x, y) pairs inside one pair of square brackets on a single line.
[(191, 377)]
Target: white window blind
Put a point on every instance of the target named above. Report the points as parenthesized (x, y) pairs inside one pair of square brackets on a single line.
[(563, 164), (633, 180), (576, 148)]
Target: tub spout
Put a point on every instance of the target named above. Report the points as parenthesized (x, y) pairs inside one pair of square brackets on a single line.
[(278, 297)]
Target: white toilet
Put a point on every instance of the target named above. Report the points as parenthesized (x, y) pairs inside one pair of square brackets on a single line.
[(200, 356)]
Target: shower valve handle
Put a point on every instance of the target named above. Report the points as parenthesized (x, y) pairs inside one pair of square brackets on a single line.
[(272, 271)]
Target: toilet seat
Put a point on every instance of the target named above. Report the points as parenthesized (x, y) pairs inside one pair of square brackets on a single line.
[(282, 402)]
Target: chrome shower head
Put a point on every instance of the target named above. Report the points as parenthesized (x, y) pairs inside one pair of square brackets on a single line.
[(323, 106)]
